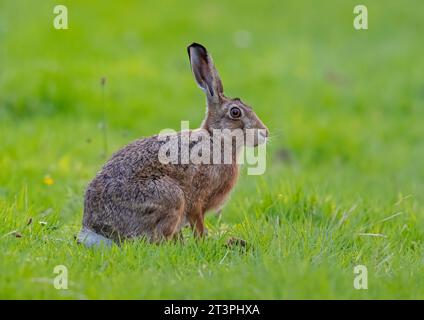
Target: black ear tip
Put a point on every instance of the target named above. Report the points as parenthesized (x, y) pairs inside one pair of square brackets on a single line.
[(197, 46)]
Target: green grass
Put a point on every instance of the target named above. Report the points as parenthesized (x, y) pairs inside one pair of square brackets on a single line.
[(345, 108)]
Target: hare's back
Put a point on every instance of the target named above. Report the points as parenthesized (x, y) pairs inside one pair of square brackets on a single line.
[(134, 161)]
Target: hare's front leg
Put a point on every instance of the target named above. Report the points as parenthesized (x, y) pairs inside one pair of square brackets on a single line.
[(196, 220)]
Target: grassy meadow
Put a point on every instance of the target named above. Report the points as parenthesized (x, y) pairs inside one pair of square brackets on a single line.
[(344, 183)]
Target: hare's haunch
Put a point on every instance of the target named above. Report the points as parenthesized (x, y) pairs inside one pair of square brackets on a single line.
[(136, 194)]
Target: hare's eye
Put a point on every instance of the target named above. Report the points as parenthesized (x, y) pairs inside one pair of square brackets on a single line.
[(235, 112)]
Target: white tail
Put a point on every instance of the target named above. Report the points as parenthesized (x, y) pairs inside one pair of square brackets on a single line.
[(90, 239)]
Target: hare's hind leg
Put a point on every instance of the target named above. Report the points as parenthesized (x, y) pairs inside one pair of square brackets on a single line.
[(162, 213), (169, 225)]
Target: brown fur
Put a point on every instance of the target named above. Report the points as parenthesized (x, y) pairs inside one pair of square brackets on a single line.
[(135, 195)]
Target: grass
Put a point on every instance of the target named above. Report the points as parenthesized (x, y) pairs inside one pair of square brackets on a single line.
[(344, 183)]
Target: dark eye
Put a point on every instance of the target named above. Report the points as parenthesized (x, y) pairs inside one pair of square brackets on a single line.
[(235, 112)]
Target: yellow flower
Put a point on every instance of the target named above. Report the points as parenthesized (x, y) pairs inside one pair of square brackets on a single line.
[(48, 180)]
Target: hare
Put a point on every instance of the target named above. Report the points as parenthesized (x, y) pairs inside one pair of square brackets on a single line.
[(135, 195)]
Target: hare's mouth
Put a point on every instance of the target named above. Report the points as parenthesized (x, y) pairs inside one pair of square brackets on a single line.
[(257, 139), (262, 138)]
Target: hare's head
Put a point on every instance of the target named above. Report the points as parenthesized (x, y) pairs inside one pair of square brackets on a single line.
[(222, 112)]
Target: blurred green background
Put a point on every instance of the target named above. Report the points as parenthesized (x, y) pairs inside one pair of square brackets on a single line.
[(344, 182)]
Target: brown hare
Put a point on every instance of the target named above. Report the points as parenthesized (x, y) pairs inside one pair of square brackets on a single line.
[(136, 195)]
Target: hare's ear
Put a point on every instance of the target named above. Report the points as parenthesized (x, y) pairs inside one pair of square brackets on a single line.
[(204, 72)]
